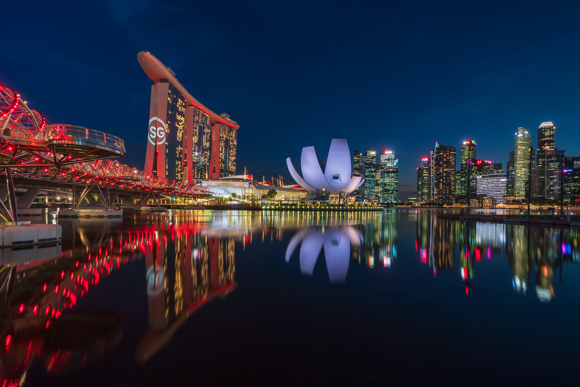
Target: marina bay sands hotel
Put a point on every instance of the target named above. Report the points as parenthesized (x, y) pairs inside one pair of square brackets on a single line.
[(186, 140)]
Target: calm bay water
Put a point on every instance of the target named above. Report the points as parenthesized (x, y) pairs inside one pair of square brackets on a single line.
[(250, 298)]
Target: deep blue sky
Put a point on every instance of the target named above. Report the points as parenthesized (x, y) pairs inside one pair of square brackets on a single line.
[(394, 75)]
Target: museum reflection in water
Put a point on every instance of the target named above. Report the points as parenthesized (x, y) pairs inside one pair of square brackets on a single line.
[(534, 253), (372, 243)]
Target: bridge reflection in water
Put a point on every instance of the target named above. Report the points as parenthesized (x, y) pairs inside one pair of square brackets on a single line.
[(187, 263)]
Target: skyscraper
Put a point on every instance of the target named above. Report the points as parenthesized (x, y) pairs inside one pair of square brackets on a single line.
[(571, 179), (553, 181), (478, 168), (424, 180), (546, 141), (444, 173), (357, 165), (369, 162), (389, 177), (510, 167), (522, 162), (468, 152)]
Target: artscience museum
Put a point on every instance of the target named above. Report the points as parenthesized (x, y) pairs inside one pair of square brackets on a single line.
[(335, 176)]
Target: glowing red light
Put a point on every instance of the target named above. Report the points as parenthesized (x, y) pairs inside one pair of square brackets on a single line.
[(21, 309)]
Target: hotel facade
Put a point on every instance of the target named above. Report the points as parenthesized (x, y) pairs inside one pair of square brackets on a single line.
[(186, 141)]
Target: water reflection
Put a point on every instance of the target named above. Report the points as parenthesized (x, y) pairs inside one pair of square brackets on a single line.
[(188, 263), (534, 253), (336, 242), (372, 243), (186, 260), (185, 270)]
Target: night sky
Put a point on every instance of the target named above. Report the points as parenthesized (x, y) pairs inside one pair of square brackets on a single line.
[(396, 75)]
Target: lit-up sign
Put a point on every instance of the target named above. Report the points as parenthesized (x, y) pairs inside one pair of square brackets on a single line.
[(157, 131)]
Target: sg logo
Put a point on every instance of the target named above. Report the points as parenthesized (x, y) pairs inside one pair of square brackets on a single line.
[(157, 132)]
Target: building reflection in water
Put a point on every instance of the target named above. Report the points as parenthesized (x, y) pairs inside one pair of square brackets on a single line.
[(372, 243), (185, 270), (380, 241), (189, 260), (531, 251), (337, 249), (188, 263)]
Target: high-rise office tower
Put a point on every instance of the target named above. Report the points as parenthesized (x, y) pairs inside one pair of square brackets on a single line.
[(571, 179), (510, 168), (497, 168), (468, 151), (358, 169), (387, 156), (424, 193), (419, 185), (549, 161), (369, 160), (444, 173), (478, 168), (522, 162), (553, 181), (546, 141), (357, 165), (389, 177)]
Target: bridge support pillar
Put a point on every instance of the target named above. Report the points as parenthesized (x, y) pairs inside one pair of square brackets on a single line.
[(3, 193), (26, 200), (112, 198), (11, 195), (91, 201)]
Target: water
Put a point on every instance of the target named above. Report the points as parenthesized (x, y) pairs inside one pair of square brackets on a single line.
[(251, 298)]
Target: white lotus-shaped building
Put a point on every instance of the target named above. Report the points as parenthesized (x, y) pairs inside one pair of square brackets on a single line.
[(335, 177)]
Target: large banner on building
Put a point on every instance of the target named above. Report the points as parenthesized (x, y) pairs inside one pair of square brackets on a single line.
[(157, 131)]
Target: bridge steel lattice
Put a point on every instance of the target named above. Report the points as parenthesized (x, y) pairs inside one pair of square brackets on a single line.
[(33, 150)]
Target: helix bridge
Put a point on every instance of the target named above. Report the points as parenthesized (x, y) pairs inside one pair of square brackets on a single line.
[(72, 156)]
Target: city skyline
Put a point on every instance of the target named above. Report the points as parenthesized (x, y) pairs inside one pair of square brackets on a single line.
[(481, 84)]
